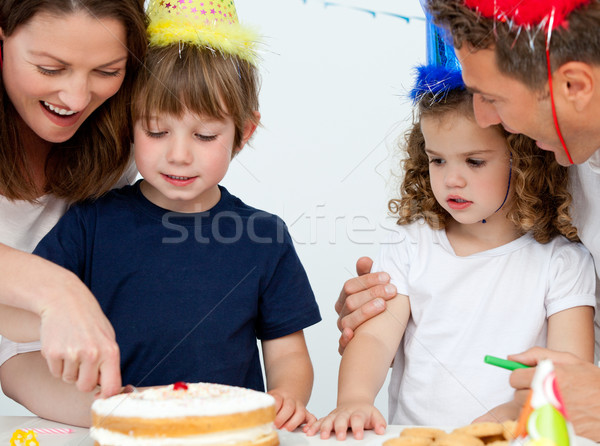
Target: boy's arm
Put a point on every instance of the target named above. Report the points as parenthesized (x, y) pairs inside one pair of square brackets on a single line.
[(364, 367), (26, 379), (572, 331), (290, 376)]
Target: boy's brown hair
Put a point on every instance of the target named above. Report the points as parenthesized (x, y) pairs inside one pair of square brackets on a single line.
[(180, 78)]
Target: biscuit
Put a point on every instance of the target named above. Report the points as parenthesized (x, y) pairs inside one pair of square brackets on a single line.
[(509, 429), (485, 429), (428, 432), (457, 439), (407, 440)]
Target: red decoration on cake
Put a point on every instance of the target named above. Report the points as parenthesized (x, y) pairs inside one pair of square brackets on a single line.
[(180, 385), (527, 12)]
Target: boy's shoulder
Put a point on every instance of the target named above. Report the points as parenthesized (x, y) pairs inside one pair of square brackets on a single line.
[(247, 212), (110, 199)]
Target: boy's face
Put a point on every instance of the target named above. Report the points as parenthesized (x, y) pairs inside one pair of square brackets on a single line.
[(183, 159), (500, 99)]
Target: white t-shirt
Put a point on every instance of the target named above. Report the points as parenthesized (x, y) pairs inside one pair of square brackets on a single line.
[(494, 302), (585, 209)]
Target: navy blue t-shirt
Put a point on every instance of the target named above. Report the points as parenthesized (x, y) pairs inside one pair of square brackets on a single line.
[(188, 294)]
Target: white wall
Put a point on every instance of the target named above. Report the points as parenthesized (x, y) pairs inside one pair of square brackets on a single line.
[(333, 104)]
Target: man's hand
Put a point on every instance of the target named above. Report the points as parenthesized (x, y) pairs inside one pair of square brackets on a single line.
[(578, 381), (361, 298)]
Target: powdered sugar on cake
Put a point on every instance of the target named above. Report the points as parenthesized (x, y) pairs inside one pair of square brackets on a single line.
[(199, 399)]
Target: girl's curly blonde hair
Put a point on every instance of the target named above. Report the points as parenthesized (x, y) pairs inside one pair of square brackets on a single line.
[(540, 201)]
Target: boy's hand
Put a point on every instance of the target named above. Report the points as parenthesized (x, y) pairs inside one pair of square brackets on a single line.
[(358, 417), (291, 413)]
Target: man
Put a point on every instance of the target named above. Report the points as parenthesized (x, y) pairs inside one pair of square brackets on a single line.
[(502, 47)]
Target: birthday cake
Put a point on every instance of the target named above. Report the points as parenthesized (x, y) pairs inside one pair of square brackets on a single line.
[(185, 414)]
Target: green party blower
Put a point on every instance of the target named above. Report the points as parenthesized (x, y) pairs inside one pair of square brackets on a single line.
[(504, 363)]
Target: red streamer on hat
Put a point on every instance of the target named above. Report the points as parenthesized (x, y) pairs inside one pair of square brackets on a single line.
[(548, 65), (527, 12)]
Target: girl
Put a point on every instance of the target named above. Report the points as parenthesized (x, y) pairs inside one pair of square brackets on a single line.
[(67, 69), (483, 262)]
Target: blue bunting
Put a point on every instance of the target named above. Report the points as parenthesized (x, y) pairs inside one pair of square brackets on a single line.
[(371, 12)]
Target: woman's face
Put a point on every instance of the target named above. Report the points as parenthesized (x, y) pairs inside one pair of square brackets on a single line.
[(58, 69)]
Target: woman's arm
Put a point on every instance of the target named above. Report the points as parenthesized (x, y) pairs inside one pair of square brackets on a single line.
[(572, 331), (78, 341)]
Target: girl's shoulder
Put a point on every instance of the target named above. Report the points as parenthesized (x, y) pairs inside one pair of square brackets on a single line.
[(415, 232), (562, 248)]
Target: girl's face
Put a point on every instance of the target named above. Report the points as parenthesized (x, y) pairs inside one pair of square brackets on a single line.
[(58, 69), (183, 159), (468, 166)]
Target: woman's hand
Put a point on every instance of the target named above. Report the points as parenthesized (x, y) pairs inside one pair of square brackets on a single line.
[(78, 341), (361, 298)]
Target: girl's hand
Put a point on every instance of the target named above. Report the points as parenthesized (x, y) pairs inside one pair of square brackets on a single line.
[(358, 417), (291, 413)]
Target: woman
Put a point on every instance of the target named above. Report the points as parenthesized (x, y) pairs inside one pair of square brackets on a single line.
[(67, 68)]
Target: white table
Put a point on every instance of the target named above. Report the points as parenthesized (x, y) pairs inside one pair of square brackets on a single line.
[(80, 436)]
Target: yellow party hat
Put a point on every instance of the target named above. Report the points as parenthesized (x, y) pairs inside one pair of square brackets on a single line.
[(208, 23)]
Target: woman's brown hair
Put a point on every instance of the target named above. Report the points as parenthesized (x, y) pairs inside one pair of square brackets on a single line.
[(540, 200), (93, 160)]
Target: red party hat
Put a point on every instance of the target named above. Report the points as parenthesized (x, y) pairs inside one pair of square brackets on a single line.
[(527, 12)]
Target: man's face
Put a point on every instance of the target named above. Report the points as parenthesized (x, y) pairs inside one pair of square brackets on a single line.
[(499, 99)]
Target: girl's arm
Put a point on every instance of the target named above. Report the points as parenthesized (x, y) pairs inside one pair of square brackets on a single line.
[(289, 374), (78, 341), (364, 367), (572, 331)]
